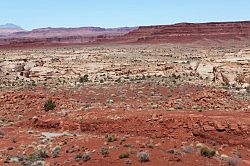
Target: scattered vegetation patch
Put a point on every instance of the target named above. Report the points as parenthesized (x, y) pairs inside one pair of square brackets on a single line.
[(40, 154), (55, 151), (150, 145), (49, 105), (33, 83), (205, 151), (86, 157), (124, 155), (154, 106), (78, 157), (143, 157), (179, 107), (127, 145), (104, 151), (111, 137), (84, 78), (86, 106), (174, 152), (123, 139)]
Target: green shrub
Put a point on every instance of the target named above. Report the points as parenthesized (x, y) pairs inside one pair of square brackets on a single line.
[(124, 155), (154, 106), (83, 79), (49, 105), (41, 153), (174, 151), (55, 151), (104, 151), (207, 152), (33, 83), (33, 156), (111, 137), (86, 157), (78, 157)]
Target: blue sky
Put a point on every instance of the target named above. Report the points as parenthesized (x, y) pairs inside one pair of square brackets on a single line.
[(119, 13)]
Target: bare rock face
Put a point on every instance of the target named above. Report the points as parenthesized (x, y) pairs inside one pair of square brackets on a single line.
[(41, 71), (30, 65), (8, 66)]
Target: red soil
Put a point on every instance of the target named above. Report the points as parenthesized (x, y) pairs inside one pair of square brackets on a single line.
[(140, 111)]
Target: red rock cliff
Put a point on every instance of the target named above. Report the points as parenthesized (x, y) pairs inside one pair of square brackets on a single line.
[(189, 32)]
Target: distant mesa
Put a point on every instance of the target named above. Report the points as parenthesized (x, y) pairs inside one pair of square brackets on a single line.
[(190, 32), (213, 32), (70, 32), (9, 28)]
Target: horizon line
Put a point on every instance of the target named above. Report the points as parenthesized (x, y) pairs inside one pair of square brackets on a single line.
[(176, 23)]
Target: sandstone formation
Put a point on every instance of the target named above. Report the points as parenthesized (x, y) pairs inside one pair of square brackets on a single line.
[(177, 33), (190, 32)]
